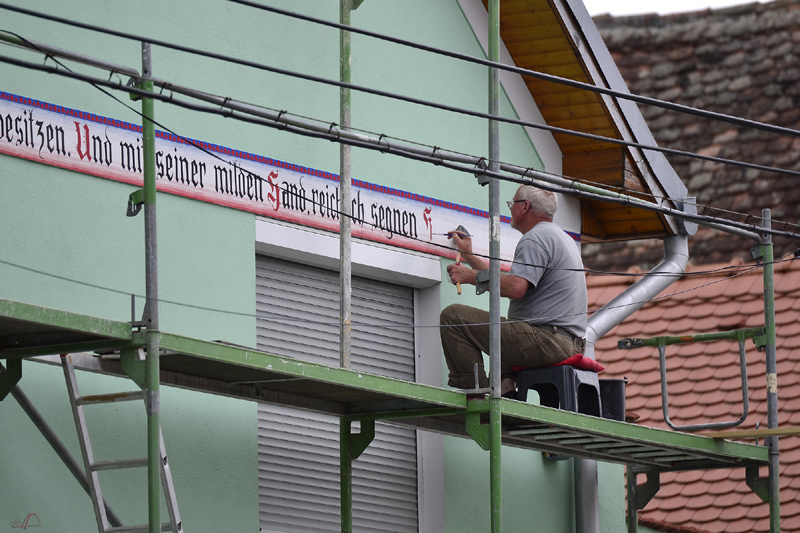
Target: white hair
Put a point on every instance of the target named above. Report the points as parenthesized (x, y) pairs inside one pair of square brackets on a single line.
[(542, 202)]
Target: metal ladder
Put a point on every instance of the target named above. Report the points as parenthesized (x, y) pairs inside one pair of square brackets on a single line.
[(92, 467)]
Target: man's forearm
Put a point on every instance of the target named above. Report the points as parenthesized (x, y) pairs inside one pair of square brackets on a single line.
[(513, 287), (475, 262)]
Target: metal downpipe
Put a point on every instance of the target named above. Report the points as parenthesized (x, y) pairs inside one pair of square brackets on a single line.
[(671, 268)]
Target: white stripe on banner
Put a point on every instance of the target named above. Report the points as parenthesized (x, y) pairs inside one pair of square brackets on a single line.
[(112, 149)]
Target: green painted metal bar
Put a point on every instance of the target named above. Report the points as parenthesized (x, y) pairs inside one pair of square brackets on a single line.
[(601, 427), (495, 463), (345, 476), (151, 286), (639, 496), (45, 316), (735, 335), (513, 412), (55, 349), (399, 415), (350, 448), (294, 368), (772, 376), (478, 431)]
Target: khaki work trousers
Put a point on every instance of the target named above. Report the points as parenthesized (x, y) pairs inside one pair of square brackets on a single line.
[(465, 335)]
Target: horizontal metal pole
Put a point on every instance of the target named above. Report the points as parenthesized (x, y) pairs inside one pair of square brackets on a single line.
[(452, 160), (54, 51), (736, 334)]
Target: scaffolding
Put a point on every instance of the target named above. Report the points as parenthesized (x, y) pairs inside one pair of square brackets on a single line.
[(29, 332)]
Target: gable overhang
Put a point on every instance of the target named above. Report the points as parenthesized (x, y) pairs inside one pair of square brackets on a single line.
[(559, 38)]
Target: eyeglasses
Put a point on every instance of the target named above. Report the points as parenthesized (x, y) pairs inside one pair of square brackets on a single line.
[(510, 203)]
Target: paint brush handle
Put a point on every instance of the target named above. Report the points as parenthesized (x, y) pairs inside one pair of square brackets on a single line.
[(458, 261)]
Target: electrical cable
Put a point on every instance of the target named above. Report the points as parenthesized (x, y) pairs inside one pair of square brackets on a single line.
[(187, 140), (778, 130), (688, 154), (203, 149), (707, 208), (343, 214), (627, 201), (273, 317), (407, 99), (231, 102)]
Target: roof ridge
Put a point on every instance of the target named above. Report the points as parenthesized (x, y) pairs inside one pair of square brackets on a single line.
[(727, 21)]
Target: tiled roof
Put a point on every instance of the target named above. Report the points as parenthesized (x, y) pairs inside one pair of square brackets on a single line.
[(704, 386), (742, 61)]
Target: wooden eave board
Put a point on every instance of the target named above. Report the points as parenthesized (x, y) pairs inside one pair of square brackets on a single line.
[(538, 40)]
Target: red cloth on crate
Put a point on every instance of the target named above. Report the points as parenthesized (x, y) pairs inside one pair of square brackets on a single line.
[(578, 361)]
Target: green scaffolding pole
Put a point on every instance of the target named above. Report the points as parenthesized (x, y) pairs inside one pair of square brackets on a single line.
[(495, 414), (152, 385), (772, 376)]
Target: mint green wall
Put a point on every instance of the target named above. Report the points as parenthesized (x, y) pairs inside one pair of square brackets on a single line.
[(611, 480), (74, 226)]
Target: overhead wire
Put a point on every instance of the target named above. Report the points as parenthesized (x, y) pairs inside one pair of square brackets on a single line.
[(591, 271), (739, 121), (689, 154), (337, 212), (230, 101), (477, 171), (408, 99), (171, 100), (274, 317)]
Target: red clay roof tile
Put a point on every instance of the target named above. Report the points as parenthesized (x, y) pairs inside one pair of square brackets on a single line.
[(674, 503), (705, 386), (743, 525), (791, 524), (706, 514)]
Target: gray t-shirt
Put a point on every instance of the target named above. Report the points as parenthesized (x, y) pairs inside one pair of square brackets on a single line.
[(550, 260)]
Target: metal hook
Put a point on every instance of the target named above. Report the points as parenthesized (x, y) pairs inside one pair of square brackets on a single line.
[(330, 130), (433, 154), (278, 119), (388, 146)]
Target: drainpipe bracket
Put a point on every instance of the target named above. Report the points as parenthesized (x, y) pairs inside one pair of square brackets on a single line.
[(687, 205)]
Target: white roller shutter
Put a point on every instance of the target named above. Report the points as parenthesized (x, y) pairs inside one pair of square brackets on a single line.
[(298, 310)]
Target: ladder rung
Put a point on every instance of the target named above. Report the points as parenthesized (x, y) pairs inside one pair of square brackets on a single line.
[(77, 402), (122, 463), (110, 398), (133, 529)]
